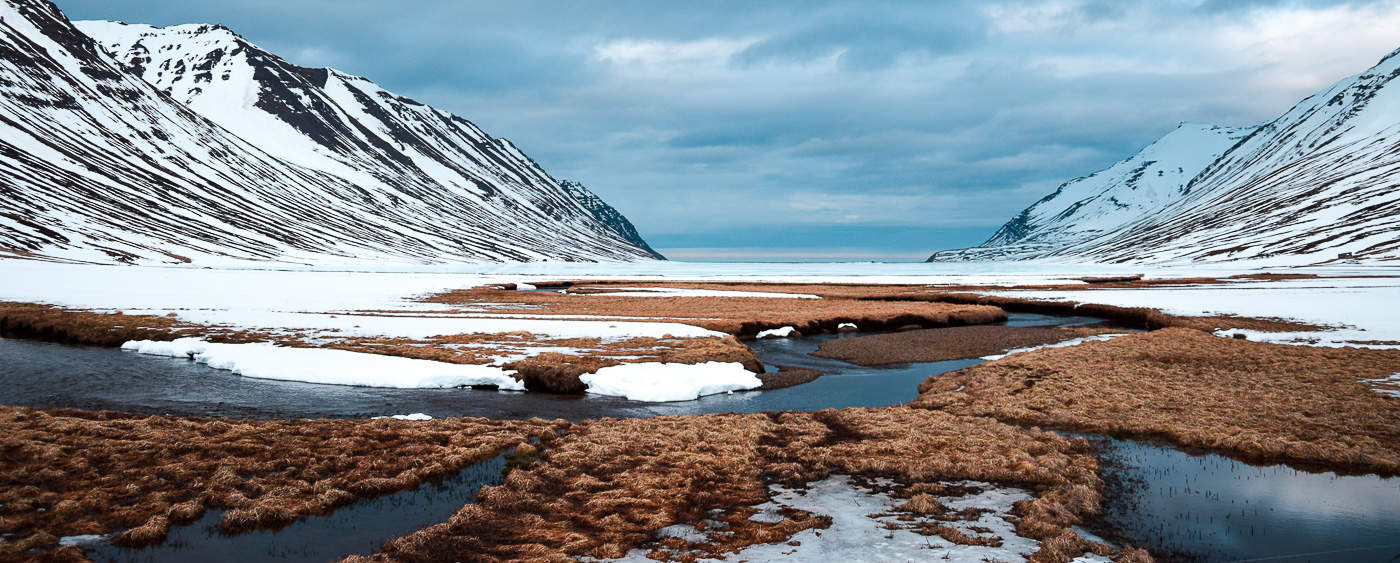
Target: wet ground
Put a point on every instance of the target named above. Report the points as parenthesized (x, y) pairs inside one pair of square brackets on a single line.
[(38, 374), (1204, 507), (358, 529)]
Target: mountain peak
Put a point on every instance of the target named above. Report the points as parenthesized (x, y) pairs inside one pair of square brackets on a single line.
[(1316, 184), (188, 143)]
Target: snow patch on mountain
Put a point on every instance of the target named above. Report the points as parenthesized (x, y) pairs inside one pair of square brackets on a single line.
[(200, 147), (1316, 185)]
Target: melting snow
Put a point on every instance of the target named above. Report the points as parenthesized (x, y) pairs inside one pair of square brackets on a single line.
[(1063, 344), (865, 528), (327, 366), (414, 416), (784, 332), (661, 382)]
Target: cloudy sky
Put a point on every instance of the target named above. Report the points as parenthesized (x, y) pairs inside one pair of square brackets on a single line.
[(801, 130)]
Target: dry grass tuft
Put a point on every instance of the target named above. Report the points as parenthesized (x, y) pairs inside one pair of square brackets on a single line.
[(1137, 317), (65, 473), (1261, 402), (739, 316), (69, 326), (606, 486), (939, 344)]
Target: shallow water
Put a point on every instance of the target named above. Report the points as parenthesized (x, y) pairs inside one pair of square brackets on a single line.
[(1214, 508), (1201, 506), (359, 528), (39, 374)]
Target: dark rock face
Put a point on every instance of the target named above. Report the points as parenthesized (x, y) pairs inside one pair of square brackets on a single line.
[(142, 149), (607, 215)]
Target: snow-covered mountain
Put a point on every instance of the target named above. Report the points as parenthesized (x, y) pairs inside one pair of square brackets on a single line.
[(197, 146), (1321, 183), (605, 213)]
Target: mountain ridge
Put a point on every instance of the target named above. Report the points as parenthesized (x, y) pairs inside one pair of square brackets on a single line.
[(100, 165), (1316, 185)]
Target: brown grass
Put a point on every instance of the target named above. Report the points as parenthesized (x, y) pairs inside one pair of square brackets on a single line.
[(739, 316), (607, 485), (1257, 401), (68, 326), (940, 344), (556, 372), (1138, 317), (787, 376), (66, 473)]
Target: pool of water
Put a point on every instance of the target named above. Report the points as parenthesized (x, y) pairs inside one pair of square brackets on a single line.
[(40, 374), (357, 529), (1212, 508)]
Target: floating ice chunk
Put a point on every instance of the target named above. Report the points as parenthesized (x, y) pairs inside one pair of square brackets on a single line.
[(414, 416), (522, 286), (265, 360), (659, 382), (784, 332)]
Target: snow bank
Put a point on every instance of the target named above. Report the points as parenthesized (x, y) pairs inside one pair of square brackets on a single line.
[(677, 292), (1063, 344), (414, 416), (658, 382), (323, 365), (784, 332), (1355, 305)]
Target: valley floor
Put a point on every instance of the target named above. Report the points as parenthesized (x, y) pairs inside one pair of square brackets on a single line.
[(1300, 367)]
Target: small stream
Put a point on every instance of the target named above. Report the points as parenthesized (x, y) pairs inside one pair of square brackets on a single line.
[(357, 529), (41, 374), (1191, 506)]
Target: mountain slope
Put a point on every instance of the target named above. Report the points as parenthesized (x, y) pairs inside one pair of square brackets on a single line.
[(96, 164), (1320, 183), (609, 216), (1091, 206)]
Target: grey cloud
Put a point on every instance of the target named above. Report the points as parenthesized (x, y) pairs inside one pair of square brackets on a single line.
[(935, 115), (873, 38)]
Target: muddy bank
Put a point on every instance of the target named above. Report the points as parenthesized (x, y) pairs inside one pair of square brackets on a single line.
[(1268, 403), (940, 344), (787, 376)]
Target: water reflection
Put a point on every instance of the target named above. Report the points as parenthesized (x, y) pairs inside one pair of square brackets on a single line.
[(1217, 509)]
